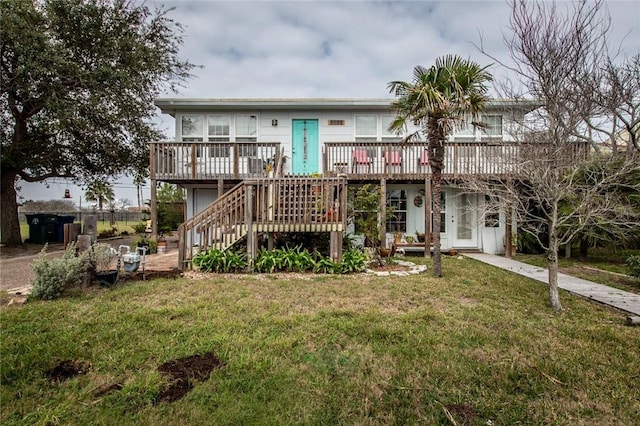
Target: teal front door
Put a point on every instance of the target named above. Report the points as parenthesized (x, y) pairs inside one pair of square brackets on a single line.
[(304, 147)]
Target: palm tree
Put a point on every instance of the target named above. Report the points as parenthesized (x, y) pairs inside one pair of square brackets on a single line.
[(100, 191), (439, 98)]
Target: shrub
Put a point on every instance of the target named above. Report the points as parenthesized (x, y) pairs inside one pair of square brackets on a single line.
[(108, 233), (214, 260), (151, 245), (287, 259), (267, 261), (325, 265), (140, 227), (633, 262), (353, 260), (53, 276), (101, 256)]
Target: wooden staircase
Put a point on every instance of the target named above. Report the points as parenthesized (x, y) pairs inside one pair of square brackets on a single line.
[(268, 205)]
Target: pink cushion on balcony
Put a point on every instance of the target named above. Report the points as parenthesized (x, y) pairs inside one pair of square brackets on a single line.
[(360, 157), (424, 158), (393, 158)]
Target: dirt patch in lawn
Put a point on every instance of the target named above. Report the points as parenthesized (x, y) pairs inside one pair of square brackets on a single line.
[(67, 369), (463, 414), (183, 371)]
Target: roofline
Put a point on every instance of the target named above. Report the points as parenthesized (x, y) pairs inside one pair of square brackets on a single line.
[(172, 105)]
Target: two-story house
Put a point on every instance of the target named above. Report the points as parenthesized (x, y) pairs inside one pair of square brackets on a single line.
[(255, 166)]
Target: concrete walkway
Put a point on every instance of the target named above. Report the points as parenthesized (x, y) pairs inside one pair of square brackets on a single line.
[(623, 300)]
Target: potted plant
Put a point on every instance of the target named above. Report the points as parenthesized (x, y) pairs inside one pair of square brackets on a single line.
[(162, 244), (409, 239), (102, 257), (150, 244), (420, 236)]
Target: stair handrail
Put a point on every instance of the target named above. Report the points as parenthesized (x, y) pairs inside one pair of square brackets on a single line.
[(209, 217)]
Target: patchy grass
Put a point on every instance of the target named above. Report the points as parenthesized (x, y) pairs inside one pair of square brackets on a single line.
[(480, 344), (603, 266)]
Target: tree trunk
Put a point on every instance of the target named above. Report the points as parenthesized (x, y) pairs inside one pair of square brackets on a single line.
[(552, 258), (9, 224), (436, 161), (437, 253), (584, 249)]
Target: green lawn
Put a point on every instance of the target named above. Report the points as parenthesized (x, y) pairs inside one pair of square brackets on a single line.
[(597, 267), (480, 344)]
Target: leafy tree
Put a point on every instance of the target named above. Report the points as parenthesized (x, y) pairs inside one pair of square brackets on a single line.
[(99, 191), (78, 82), (365, 213), (168, 193), (439, 98), (170, 214)]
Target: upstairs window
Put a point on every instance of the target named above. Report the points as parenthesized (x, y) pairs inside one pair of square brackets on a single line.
[(192, 128), (366, 128), (493, 125), (246, 128), (218, 128)]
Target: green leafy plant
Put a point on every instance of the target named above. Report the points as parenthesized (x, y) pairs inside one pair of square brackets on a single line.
[(267, 261), (364, 211), (152, 245), (633, 262), (353, 260), (54, 275), (108, 233), (325, 265), (289, 259), (139, 227), (214, 260)]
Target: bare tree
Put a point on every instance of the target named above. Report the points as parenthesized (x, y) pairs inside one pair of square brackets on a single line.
[(559, 185)]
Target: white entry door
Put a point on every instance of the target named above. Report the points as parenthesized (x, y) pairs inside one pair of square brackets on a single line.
[(465, 221)]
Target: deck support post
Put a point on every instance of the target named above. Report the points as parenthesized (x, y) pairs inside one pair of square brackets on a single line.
[(427, 217), (248, 220), (220, 187), (154, 210), (383, 213), (335, 246), (507, 231)]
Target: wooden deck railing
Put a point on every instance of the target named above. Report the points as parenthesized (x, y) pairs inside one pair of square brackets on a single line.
[(372, 160), (266, 205), (185, 161), (194, 161)]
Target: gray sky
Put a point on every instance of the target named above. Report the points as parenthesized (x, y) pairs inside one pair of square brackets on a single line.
[(331, 49)]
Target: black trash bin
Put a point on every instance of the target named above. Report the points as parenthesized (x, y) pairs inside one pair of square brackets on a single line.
[(61, 222), (43, 228)]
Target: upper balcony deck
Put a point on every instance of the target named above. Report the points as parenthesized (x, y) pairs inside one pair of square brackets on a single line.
[(191, 162)]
